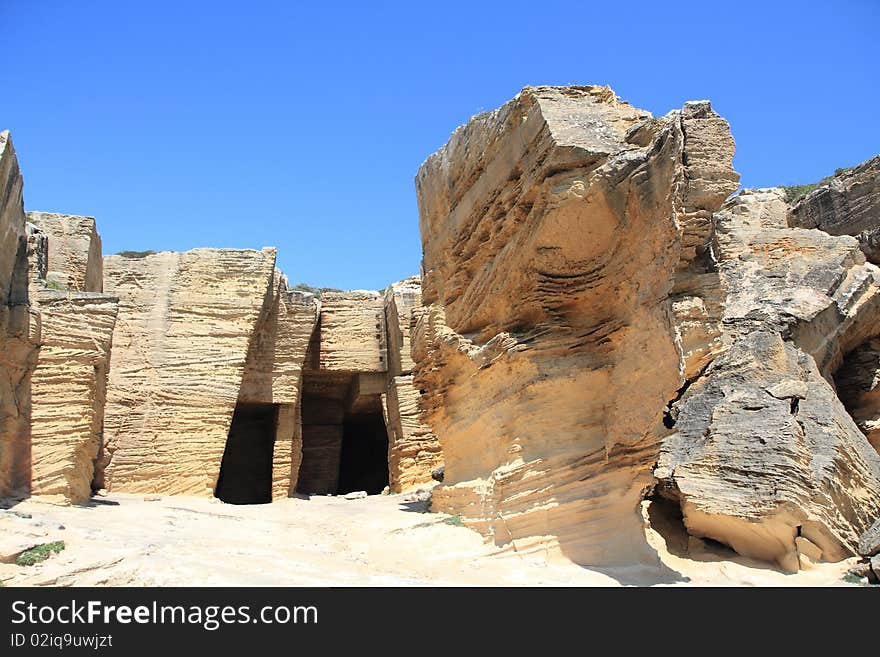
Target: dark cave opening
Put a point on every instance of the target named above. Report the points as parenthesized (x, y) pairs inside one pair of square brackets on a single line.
[(363, 461), (246, 468), (344, 439)]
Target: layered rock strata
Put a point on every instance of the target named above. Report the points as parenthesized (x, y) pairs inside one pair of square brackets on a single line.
[(189, 325), (346, 371), (413, 450), (19, 330), (73, 257), (69, 388), (763, 456), (557, 231), (846, 204)]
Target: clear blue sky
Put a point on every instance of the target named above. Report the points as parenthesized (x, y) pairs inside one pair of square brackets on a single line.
[(244, 124)]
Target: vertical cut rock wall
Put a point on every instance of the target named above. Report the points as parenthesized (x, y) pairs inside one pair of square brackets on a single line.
[(413, 450), (19, 330), (185, 325)]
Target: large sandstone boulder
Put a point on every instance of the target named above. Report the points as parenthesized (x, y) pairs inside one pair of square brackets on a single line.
[(762, 455), (558, 232), (19, 329)]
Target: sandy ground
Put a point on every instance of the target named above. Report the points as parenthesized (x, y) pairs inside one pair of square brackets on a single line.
[(323, 541)]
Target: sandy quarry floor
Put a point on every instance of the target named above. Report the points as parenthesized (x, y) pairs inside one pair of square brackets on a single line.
[(377, 541)]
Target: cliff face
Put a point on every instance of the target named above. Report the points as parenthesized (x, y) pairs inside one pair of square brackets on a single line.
[(19, 330), (186, 321), (69, 390), (68, 387), (556, 231), (600, 336), (847, 204)]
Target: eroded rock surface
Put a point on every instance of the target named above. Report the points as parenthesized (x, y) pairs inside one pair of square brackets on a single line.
[(68, 387), (763, 452), (74, 260), (848, 204), (69, 392), (858, 386), (556, 232), (413, 450), (186, 323), (19, 330)]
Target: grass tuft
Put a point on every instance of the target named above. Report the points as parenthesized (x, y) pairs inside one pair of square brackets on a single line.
[(39, 553)]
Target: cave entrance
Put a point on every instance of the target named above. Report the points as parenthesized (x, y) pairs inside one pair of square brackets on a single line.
[(344, 439), (363, 462), (246, 468)]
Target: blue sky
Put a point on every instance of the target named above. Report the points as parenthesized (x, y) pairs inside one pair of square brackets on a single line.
[(248, 124)]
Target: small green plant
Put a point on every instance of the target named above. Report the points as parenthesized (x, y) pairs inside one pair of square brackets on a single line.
[(135, 254), (455, 521), (317, 291), (55, 285), (794, 193), (481, 115), (39, 553), (852, 578)]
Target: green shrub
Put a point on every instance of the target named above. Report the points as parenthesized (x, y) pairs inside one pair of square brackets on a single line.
[(852, 578), (55, 285), (795, 193), (38, 553), (317, 291), (455, 521), (135, 254)]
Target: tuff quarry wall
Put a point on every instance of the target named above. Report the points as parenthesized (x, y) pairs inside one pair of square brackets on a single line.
[(273, 374), (554, 230), (19, 330), (413, 450), (185, 324), (599, 334), (68, 387)]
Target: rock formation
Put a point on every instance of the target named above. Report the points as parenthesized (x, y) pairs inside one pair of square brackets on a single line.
[(846, 204), (69, 392), (73, 251), (413, 450), (600, 336), (555, 231), (345, 375), (189, 325), (19, 330), (68, 387), (763, 456)]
